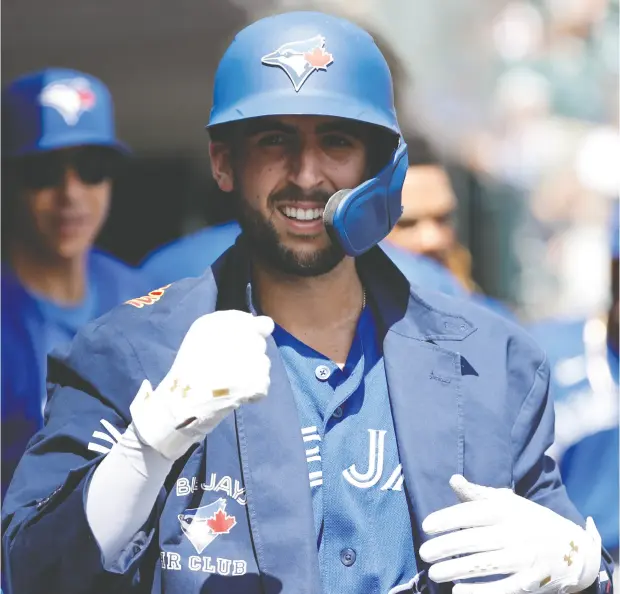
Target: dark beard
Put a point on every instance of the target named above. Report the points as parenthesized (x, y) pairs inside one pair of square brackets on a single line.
[(264, 244)]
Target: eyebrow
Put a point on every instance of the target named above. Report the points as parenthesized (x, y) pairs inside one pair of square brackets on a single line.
[(261, 125), (351, 128)]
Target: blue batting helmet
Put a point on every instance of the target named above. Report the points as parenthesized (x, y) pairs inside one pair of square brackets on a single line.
[(309, 63)]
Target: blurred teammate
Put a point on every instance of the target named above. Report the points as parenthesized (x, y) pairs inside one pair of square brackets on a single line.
[(60, 155), (583, 355), (427, 225), (299, 418)]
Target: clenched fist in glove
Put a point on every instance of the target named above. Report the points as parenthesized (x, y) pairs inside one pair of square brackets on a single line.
[(221, 364), (495, 532)]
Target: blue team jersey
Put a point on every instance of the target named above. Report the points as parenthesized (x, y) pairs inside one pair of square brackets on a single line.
[(494, 305), (354, 469), (422, 271), (190, 256), (467, 392), (584, 386), (31, 327)]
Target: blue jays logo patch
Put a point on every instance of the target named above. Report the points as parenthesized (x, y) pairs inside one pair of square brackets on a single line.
[(299, 59), (70, 98), (202, 525)]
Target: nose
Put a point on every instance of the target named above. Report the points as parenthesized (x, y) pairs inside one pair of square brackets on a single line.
[(306, 171), (432, 238), (72, 187)]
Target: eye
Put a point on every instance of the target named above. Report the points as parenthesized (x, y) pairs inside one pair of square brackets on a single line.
[(337, 141), (406, 223), (272, 139), (446, 219)]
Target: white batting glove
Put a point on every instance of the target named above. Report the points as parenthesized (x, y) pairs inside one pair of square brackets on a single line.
[(221, 364), (501, 533)]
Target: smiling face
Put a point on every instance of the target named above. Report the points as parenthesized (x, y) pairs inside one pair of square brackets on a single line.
[(282, 171)]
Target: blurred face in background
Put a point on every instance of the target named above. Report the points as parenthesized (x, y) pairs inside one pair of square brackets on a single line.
[(281, 172), (63, 199), (429, 206)]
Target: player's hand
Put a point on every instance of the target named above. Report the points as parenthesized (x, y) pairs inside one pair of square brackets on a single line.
[(221, 364), (500, 533)]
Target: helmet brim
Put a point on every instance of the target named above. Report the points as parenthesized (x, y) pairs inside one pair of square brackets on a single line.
[(316, 103)]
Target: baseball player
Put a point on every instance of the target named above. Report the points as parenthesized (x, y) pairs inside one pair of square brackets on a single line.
[(60, 155), (298, 419), (583, 356)]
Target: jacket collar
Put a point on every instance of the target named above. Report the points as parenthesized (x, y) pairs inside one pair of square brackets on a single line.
[(399, 307)]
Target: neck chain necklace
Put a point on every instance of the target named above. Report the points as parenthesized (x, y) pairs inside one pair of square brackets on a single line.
[(363, 299)]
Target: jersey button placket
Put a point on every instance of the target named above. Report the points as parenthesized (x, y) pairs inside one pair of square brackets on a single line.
[(347, 557), (322, 373)]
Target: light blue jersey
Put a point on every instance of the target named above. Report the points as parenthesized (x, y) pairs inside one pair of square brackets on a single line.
[(191, 255), (354, 470)]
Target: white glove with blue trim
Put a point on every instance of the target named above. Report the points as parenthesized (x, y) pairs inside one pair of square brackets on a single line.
[(495, 532), (221, 364)]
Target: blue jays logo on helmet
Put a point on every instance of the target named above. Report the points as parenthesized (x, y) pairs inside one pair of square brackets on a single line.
[(299, 59)]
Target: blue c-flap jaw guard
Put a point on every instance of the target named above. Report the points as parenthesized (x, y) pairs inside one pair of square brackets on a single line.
[(359, 219)]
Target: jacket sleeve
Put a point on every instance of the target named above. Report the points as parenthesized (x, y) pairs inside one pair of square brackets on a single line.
[(47, 543), (535, 475)]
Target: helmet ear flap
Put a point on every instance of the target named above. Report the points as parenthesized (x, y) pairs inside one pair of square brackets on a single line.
[(360, 218), (330, 212)]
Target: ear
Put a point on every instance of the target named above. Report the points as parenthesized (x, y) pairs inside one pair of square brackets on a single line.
[(221, 165)]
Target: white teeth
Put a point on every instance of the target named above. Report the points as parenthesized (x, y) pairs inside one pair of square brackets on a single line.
[(301, 214)]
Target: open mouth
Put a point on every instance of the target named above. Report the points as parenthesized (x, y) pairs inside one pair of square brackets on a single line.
[(302, 214)]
